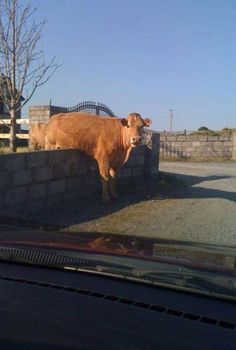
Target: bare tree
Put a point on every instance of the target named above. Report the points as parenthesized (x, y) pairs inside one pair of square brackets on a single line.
[(22, 63)]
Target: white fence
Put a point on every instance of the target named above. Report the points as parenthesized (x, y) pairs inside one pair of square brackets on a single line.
[(7, 122)]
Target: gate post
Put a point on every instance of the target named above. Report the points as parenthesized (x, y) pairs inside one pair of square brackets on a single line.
[(42, 114)]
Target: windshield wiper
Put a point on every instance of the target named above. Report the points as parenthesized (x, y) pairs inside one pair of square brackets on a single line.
[(149, 272), (205, 281)]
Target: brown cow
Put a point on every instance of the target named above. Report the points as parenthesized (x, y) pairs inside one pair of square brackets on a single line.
[(37, 136), (108, 140)]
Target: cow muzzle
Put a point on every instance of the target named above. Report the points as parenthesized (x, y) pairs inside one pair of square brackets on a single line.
[(136, 141)]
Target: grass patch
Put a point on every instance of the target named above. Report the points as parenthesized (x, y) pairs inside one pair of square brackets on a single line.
[(5, 150)]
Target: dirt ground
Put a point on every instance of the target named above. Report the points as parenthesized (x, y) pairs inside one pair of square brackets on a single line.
[(187, 201)]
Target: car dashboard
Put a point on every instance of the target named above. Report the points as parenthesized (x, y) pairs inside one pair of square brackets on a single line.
[(44, 308)]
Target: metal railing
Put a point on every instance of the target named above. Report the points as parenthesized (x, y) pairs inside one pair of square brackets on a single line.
[(90, 105)]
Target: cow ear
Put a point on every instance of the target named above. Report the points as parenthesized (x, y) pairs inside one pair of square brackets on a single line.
[(147, 122), (124, 122)]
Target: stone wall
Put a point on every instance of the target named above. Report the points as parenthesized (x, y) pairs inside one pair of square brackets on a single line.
[(197, 147), (35, 180)]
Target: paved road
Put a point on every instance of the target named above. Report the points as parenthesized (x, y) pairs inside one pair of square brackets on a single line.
[(209, 211)]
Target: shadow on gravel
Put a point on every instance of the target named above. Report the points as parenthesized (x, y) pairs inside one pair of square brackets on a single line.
[(131, 192), (158, 187), (202, 192), (194, 180)]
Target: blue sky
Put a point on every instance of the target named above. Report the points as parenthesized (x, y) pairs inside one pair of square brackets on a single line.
[(145, 56)]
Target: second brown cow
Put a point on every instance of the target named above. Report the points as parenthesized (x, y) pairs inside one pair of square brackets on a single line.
[(37, 136)]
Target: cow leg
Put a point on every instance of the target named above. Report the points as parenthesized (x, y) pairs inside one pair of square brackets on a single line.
[(112, 182), (105, 190), (47, 144), (49, 147), (104, 173)]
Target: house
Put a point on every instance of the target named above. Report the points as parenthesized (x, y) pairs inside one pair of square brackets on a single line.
[(4, 112)]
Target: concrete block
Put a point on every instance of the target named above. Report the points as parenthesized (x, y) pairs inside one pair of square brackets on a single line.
[(156, 138), (36, 159), (196, 144), (205, 144), (202, 138), (217, 147), (56, 156), (137, 171), (154, 169), (91, 165), (212, 138), (68, 169), (227, 143), (43, 118), (192, 138), (141, 150), (36, 205), (190, 150), (38, 190), (181, 138), (218, 144), (23, 177), (155, 149), (131, 161), (6, 180), (225, 138), (40, 108), (17, 195), (73, 156), (73, 183), (12, 211), (172, 138), (43, 174), (125, 172), (54, 200), (14, 161), (59, 171), (57, 186), (78, 168)]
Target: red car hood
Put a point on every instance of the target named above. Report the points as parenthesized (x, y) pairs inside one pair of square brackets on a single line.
[(208, 256)]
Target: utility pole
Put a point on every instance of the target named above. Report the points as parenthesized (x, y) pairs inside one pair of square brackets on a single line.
[(171, 119)]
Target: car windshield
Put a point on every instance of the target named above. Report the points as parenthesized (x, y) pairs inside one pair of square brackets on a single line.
[(118, 138)]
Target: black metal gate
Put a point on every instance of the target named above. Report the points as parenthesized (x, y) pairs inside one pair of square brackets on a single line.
[(91, 107)]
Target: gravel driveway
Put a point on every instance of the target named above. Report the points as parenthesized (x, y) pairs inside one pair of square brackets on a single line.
[(200, 206), (207, 209)]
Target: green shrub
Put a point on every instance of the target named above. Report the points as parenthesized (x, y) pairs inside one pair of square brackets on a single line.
[(203, 128)]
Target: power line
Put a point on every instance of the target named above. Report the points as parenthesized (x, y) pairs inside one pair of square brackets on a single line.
[(198, 118)]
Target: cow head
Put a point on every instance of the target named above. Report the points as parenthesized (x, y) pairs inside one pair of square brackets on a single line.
[(134, 128)]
